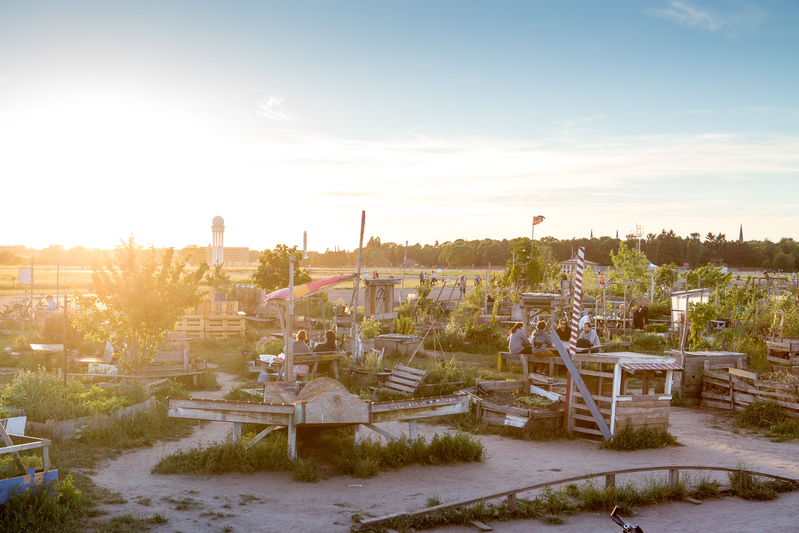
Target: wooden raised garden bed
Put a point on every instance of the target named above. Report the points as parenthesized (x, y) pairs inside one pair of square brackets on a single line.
[(734, 389), (506, 403)]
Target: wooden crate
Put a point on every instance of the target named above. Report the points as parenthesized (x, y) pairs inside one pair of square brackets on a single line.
[(783, 352), (211, 307), (193, 325), (228, 323)]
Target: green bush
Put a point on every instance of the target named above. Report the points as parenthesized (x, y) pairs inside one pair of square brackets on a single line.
[(644, 342), (629, 439), (657, 327), (42, 395), (59, 508)]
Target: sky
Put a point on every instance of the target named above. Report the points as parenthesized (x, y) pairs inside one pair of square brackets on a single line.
[(441, 119)]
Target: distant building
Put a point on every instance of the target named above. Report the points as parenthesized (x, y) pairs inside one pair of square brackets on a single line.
[(570, 266), (232, 256)]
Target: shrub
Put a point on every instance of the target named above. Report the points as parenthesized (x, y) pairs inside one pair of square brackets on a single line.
[(643, 342), (269, 345), (629, 439), (42, 395), (404, 325)]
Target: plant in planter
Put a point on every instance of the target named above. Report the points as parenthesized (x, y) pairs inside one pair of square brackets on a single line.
[(370, 328)]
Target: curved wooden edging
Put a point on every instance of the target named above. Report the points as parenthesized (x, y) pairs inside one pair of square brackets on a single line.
[(610, 481)]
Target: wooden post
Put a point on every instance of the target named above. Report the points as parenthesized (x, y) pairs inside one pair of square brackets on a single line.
[(674, 478), (66, 318), (404, 265), (413, 428), (237, 431), (291, 437), (610, 481), (511, 502)]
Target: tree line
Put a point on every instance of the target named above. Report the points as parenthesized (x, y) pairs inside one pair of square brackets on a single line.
[(663, 248)]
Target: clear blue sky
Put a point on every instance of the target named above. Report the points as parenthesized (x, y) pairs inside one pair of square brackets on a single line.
[(442, 119)]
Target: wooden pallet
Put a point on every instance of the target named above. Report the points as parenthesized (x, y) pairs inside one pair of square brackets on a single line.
[(404, 380)]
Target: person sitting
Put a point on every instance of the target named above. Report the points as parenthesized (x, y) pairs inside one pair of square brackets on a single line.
[(299, 345), (541, 341), (640, 317), (330, 343), (564, 330), (589, 317), (589, 339), (52, 305), (518, 342)]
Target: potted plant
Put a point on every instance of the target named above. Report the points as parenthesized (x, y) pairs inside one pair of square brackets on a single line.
[(371, 330)]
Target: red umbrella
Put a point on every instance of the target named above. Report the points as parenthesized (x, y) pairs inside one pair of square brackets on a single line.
[(306, 289)]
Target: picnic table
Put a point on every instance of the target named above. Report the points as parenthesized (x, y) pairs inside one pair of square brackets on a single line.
[(313, 360)]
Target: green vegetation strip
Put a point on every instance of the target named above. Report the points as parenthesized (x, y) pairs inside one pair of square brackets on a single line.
[(552, 504), (363, 460)]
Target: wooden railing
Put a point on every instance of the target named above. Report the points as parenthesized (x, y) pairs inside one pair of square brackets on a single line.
[(610, 481)]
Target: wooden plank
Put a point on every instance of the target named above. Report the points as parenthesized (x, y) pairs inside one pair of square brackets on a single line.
[(742, 373)]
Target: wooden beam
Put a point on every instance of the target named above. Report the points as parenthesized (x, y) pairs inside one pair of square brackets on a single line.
[(586, 394)]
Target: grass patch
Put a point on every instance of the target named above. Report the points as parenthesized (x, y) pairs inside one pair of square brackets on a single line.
[(363, 460), (305, 470), (769, 416), (628, 440), (59, 507), (269, 454)]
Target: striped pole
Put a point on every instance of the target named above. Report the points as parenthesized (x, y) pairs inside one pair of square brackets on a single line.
[(578, 295)]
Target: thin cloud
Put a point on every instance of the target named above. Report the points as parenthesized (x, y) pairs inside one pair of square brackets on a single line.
[(271, 109), (584, 119), (690, 16)]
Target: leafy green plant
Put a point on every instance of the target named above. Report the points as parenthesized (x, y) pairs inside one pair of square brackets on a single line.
[(269, 345), (404, 325), (648, 343), (42, 395), (371, 328), (305, 470), (629, 439)]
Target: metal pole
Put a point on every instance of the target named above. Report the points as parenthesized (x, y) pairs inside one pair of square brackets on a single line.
[(66, 319), (289, 373), (355, 338)]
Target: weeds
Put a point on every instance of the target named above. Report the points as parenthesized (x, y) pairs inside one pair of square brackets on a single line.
[(58, 507), (220, 458), (629, 439), (769, 416), (305, 470)]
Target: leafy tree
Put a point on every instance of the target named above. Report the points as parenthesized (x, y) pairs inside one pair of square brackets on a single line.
[(666, 276), (459, 255), (218, 280), (631, 265), (707, 276), (138, 298), (273, 271)]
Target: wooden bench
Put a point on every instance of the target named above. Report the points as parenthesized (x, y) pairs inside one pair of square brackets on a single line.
[(552, 361), (403, 379), (311, 359)]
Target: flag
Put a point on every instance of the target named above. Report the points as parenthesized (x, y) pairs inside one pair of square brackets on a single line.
[(538, 219)]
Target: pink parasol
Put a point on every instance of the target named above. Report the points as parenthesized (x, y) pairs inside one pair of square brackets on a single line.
[(306, 289)]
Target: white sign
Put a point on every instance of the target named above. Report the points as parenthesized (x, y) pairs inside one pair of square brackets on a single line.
[(25, 276)]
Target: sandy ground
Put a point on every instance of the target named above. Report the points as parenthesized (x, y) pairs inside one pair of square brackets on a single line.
[(272, 502)]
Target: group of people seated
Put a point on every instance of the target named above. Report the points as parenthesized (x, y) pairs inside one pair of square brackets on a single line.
[(300, 344), (541, 344)]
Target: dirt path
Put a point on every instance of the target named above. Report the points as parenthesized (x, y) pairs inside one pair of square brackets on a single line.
[(273, 502)]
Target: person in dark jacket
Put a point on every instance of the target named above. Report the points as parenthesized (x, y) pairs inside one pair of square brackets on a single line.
[(564, 330), (330, 343)]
